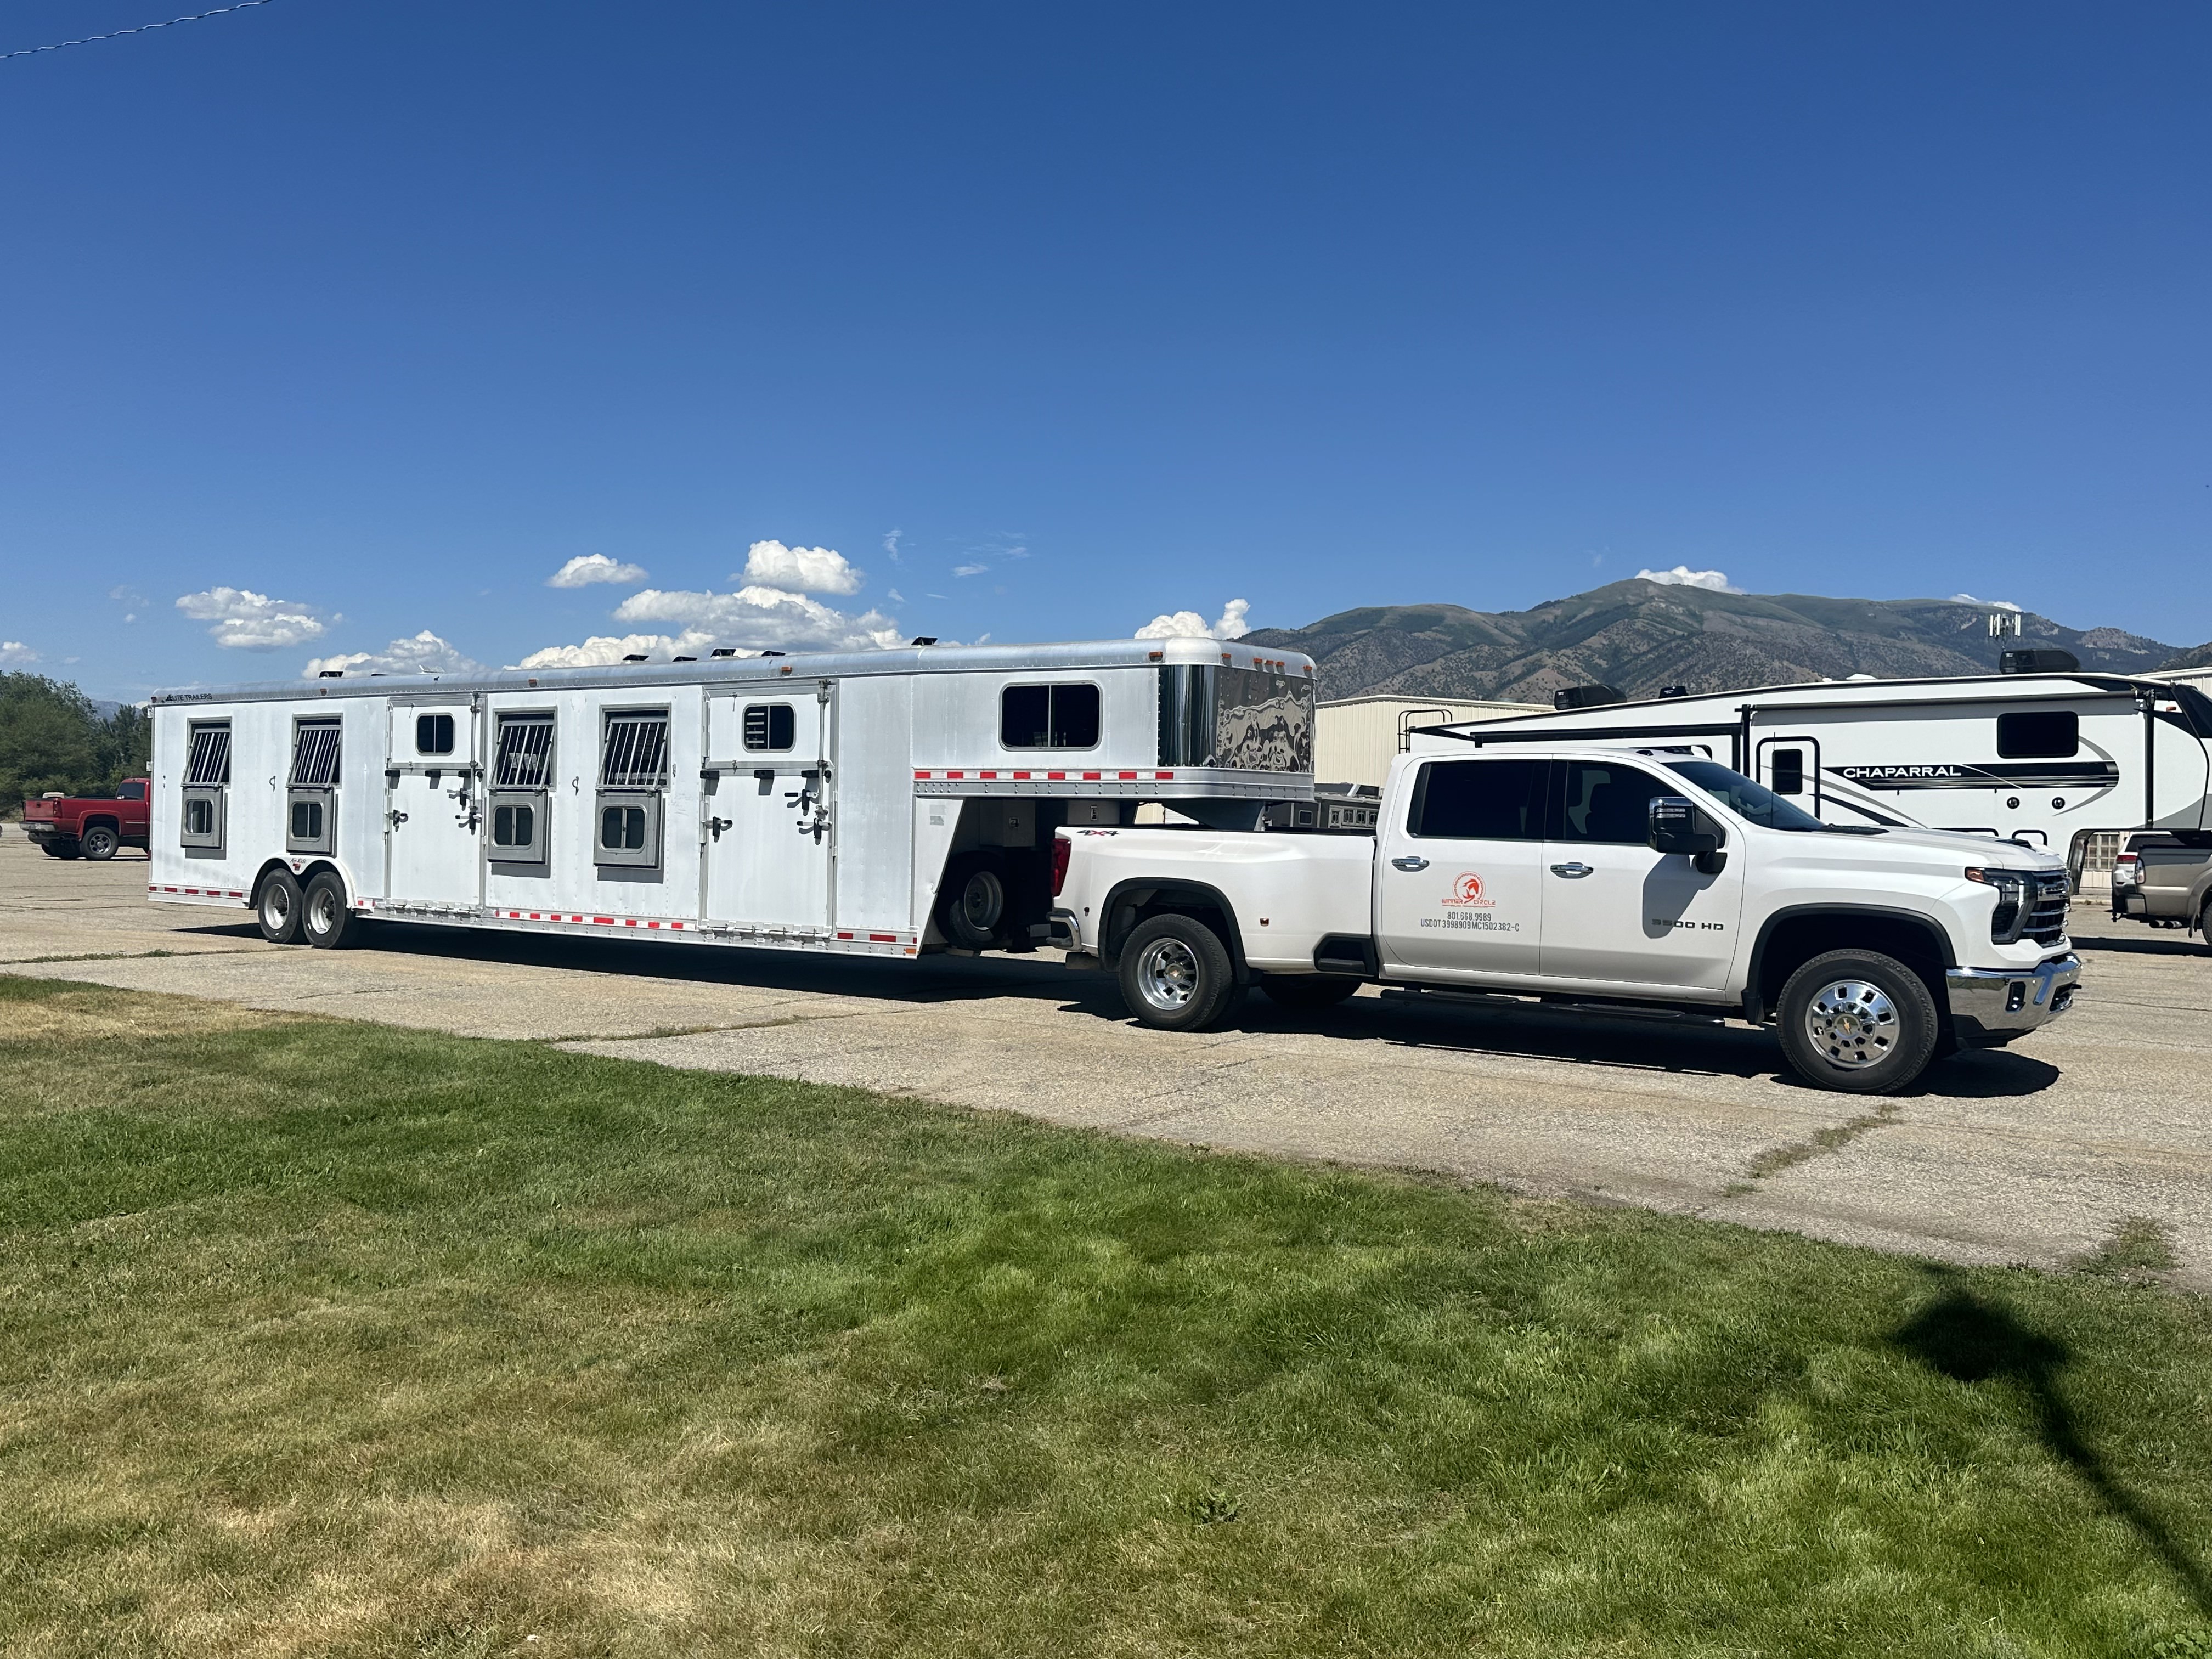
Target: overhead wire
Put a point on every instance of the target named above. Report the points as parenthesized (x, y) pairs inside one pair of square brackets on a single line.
[(117, 34)]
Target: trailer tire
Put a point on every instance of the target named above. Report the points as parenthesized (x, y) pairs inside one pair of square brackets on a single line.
[(1175, 975), (1307, 992), (276, 907), (971, 908), (58, 849), (326, 921), (99, 843), (1858, 1021)]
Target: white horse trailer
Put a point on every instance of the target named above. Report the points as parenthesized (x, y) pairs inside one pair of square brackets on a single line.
[(2053, 759), (877, 803)]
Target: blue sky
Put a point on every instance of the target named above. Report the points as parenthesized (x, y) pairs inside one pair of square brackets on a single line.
[(386, 313)]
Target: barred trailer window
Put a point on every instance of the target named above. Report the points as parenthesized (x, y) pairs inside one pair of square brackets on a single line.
[(635, 756), (525, 752), (315, 754), (208, 764)]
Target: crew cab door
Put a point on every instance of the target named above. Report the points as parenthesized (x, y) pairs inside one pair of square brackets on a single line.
[(1458, 881), (1616, 911)]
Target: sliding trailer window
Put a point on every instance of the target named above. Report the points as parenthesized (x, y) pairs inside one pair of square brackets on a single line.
[(311, 806), (1048, 716), (633, 780), (206, 814), (521, 782)]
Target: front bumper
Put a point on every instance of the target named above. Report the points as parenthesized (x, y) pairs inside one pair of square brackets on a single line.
[(1991, 1006)]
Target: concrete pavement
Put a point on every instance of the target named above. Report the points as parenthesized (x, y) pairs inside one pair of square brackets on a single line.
[(2038, 1154)]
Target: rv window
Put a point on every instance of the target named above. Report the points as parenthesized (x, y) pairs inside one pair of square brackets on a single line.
[(209, 764), (525, 752), (2038, 736), (315, 754), (1609, 803), (771, 727), (637, 756), (622, 829), (1788, 767), (1049, 717), (1481, 800), (131, 792), (434, 734)]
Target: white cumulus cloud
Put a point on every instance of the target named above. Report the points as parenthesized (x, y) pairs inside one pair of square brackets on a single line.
[(603, 649), (1682, 576), (589, 568), (753, 619), (800, 570), (422, 653), (15, 652), (1986, 604), (246, 621), (969, 569), (1190, 625)]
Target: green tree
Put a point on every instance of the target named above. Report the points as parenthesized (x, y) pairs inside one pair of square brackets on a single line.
[(52, 738)]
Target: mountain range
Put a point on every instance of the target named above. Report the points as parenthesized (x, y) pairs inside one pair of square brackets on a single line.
[(1640, 635)]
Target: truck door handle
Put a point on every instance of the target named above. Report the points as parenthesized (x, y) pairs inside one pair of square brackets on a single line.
[(1572, 872), (1409, 863)]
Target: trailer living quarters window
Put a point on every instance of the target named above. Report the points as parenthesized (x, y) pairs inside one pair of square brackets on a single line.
[(522, 772), (633, 772), (1243, 719), (1063, 716), (770, 727), (311, 807), (434, 734), (2039, 734), (207, 786)]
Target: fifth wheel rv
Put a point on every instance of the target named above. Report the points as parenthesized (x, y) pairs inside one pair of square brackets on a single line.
[(2048, 760), (882, 803)]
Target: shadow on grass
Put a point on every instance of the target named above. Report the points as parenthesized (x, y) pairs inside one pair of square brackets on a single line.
[(1969, 1340)]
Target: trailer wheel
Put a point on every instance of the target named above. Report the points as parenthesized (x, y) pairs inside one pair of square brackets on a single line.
[(58, 849), (1307, 992), (99, 843), (1858, 1021), (326, 921), (1175, 975), (973, 903), (276, 906)]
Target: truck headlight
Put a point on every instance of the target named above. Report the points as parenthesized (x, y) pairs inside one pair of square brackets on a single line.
[(2011, 914)]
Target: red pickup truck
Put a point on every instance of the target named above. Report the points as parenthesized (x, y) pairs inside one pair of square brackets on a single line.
[(67, 828)]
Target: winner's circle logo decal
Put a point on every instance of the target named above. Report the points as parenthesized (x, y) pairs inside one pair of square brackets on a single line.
[(1467, 889)]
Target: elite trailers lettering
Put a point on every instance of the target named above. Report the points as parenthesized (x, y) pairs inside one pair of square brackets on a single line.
[(2013, 774)]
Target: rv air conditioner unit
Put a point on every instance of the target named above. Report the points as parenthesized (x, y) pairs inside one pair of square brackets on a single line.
[(1586, 697), (2038, 662)]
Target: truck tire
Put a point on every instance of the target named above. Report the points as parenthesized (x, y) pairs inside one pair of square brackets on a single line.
[(971, 908), (58, 849), (1307, 993), (276, 906), (326, 921), (1175, 975), (99, 843), (1858, 1021)]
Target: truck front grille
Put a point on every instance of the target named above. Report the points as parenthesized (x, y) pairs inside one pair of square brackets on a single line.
[(2046, 917)]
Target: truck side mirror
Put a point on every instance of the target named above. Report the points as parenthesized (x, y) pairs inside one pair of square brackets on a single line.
[(1678, 826)]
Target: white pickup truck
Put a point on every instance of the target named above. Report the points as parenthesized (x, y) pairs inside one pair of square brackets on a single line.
[(1645, 880)]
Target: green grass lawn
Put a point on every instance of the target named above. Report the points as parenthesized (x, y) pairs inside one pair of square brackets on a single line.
[(321, 1338)]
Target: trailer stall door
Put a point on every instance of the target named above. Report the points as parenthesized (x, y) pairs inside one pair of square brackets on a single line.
[(765, 817), (431, 808)]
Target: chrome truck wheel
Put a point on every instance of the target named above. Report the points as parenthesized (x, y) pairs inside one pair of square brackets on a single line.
[(1858, 1021), (1175, 973)]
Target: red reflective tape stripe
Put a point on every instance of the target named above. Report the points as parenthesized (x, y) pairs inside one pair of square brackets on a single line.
[(1022, 776), (629, 921), (675, 924), (1090, 777), (880, 938), (604, 922), (1051, 777), (1129, 774), (955, 774), (986, 774), (923, 776), (1165, 776), (844, 936), (168, 889)]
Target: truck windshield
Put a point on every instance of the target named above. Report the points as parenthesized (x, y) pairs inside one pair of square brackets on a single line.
[(1754, 802)]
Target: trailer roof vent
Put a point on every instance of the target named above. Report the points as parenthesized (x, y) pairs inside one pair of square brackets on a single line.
[(1586, 697), (683, 659), (725, 650), (329, 674), (635, 657), (1674, 690), (774, 653), (925, 639), (2038, 662)]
